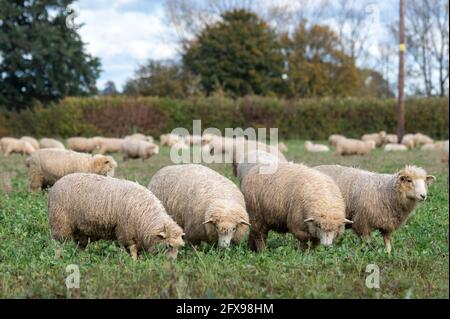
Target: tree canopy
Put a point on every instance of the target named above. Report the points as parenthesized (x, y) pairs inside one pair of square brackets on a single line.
[(42, 59)]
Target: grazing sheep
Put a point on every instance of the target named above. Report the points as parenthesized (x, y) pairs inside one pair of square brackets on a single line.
[(335, 138), (391, 139), (141, 137), (294, 199), (169, 139), (378, 138), (83, 144), (50, 143), (379, 201), (408, 140), (33, 142), (11, 145), (110, 145), (242, 146), (46, 166), (310, 147), (422, 139), (354, 147), (225, 144), (132, 148), (85, 207), (437, 146), (208, 206), (391, 147)]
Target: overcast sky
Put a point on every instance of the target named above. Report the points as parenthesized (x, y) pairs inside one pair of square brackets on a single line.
[(126, 33)]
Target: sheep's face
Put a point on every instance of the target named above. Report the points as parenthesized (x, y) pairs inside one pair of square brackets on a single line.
[(173, 239), (104, 165), (413, 184), (326, 231), (226, 228)]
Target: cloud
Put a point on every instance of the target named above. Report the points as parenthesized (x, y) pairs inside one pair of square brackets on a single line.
[(124, 34)]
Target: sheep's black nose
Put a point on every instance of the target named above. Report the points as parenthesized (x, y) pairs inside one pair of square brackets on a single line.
[(423, 196)]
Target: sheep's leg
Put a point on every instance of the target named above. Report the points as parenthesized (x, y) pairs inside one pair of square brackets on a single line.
[(303, 238), (36, 182), (257, 240), (387, 242), (133, 252)]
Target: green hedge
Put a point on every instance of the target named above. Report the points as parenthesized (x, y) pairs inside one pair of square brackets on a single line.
[(305, 118)]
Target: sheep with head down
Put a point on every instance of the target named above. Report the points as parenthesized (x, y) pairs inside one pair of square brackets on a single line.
[(208, 206), (50, 143), (83, 144), (85, 207), (379, 201), (33, 142), (294, 199), (46, 166), (333, 139), (110, 145), (133, 148), (351, 146), (11, 145), (378, 138)]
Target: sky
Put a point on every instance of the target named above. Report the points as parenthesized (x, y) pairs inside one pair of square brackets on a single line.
[(126, 33)]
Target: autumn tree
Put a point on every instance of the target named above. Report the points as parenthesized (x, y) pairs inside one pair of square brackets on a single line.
[(316, 66), (240, 54)]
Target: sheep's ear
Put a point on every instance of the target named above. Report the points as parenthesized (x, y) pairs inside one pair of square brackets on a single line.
[(245, 222), (162, 235), (308, 220), (430, 179), (207, 221), (348, 221)]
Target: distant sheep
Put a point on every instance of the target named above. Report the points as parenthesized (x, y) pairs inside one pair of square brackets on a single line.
[(141, 137), (46, 166), (378, 138), (390, 147), (207, 205), (282, 147), (354, 147), (294, 199), (11, 145), (243, 163), (379, 201), (83, 144), (169, 139), (33, 142), (132, 148), (422, 139), (50, 143), (88, 207), (391, 139), (310, 147), (408, 141), (110, 145), (335, 138)]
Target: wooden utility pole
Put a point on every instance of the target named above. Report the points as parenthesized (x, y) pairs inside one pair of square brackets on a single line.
[(401, 75)]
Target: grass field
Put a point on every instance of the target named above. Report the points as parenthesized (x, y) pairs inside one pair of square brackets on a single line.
[(418, 267)]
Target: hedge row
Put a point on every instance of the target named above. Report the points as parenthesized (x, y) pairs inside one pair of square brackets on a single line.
[(306, 118)]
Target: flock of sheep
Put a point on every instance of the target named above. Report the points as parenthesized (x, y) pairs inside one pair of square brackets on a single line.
[(192, 203)]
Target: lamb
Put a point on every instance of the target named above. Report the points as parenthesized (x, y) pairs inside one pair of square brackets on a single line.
[(83, 144), (391, 139), (310, 147), (379, 201), (46, 166), (50, 143), (11, 145), (208, 206), (408, 140), (83, 207), (294, 199), (133, 148), (335, 138), (354, 147), (422, 139), (391, 147), (33, 142), (110, 145), (141, 137), (378, 138)]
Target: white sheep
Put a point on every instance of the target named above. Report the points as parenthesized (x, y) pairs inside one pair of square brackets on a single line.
[(11, 145), (354, 147), (88, 207), (33, 142), (208, 206), (335, 138), (46, 166), (391, 147), (310, 147), (379, 201), (408, 141), (132, 148), (83, 144), (50, 143), (110, 145), (378, 138)]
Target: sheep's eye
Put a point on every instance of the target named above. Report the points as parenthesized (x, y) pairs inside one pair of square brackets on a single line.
[(409, 180)]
